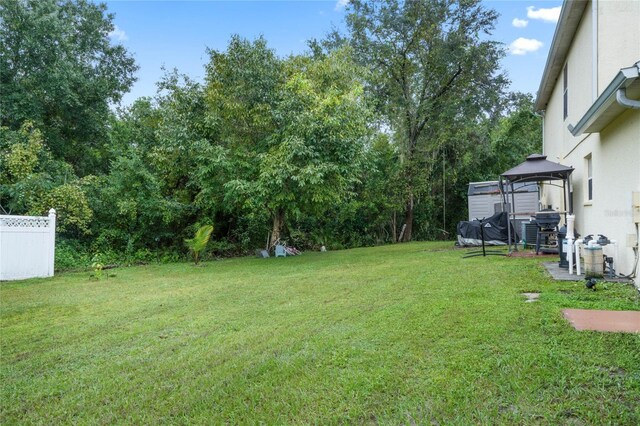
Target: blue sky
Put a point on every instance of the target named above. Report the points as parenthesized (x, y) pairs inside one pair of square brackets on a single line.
[(176, 34)]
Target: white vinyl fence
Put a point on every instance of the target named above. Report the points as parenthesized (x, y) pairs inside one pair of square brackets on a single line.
[(27, 246)]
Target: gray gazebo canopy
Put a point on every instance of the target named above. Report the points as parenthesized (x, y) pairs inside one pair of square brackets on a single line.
[(536, 168)]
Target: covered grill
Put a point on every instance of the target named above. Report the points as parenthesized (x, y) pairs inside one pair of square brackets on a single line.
[(547, 236), (547, 219)]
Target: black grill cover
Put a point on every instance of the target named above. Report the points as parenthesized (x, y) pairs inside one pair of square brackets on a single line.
[(495, 231)]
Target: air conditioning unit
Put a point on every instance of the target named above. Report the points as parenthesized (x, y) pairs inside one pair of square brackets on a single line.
[(529, 233)]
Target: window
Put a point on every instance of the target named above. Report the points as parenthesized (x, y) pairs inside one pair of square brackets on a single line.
[(589, 167), (565, 89)]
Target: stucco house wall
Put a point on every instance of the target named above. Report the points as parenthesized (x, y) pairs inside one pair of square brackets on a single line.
[(605, 34), (618, 42)]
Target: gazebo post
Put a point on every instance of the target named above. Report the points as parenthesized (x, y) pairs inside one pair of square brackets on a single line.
[(513, 204), (508, 205)]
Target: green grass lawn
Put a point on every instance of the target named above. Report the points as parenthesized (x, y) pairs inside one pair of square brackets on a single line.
[(406, 334)]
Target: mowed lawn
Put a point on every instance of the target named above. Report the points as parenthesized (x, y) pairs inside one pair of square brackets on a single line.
[(399, 334)]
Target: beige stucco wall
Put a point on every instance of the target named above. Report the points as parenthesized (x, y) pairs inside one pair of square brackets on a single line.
[(616, 150), (558, 141), (618, 37), (615, 156), (579, 65)]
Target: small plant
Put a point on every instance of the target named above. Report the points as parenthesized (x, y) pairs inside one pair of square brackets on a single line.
[(198, 243), (97, 267)]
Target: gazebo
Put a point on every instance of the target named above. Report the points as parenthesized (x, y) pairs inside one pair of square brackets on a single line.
[(536, 168)]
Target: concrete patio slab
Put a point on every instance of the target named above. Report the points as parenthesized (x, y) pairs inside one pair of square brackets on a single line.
[(596, 320), (531, 297), (562, 274)]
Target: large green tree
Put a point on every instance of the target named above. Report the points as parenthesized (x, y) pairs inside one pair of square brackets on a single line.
[(146, 201), (432, 70), (289, 133), (32, 181), (479, 151), (317, 150), (242, 95), (517, 134), (60, 70)]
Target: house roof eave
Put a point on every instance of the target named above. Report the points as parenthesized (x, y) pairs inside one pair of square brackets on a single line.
[(570, 17), (606, 107)]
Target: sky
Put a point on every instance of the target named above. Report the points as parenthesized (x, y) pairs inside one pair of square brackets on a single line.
[(176, 34)]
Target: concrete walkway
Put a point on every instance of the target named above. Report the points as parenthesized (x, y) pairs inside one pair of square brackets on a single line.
[(614, 321), (562, 274)]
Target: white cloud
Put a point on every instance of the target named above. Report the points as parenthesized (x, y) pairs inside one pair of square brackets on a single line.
[(546, 15), (519, 23), (118, 34), (522, 46), (341, 3)]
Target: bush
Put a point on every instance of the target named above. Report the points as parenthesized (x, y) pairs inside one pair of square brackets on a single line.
[(70, 254), (222, 248)]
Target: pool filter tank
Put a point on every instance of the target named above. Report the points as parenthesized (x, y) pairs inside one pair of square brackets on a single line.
[(593, 261)]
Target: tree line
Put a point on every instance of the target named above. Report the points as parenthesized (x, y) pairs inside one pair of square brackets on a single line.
[(369, 137)]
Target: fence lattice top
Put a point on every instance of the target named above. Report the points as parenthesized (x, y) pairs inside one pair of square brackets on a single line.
[(24, 222)]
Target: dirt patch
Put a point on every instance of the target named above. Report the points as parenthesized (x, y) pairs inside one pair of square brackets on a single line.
[(528, 253), (613, 372)]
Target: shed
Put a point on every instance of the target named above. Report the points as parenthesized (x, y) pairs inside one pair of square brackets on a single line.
[(485, 198)]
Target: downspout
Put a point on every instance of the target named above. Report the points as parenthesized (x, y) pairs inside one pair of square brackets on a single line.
[(564, 194), (621, 97), (543, 115), (571, 194), (621, 93), (594, 49)]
